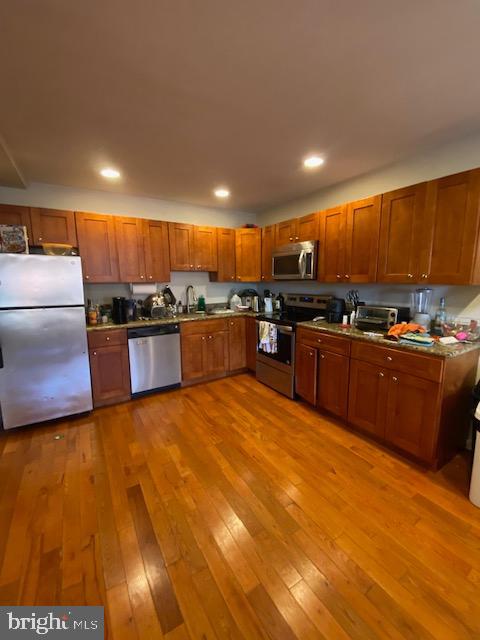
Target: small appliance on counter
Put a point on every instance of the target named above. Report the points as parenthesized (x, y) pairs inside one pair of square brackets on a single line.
[(247, 296), (119, 310), (335, 309), (154, 305), (422, 299), (380, 319)]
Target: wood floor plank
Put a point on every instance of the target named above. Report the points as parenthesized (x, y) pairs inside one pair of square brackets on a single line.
[(226, 510)]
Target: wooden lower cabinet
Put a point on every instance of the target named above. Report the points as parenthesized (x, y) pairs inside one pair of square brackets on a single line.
[(332, 389), (306, 362), (251, 343), (237, 344), (367, 398), (192, 356), (109, 366), (215, 358), (425, 415)]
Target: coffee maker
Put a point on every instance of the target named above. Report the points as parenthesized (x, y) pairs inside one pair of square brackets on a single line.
[(119, 310), (335, 310)]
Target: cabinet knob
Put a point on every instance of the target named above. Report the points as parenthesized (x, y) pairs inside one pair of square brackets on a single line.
[(395, 379), (199, 266), (191, 266), (389, 358), (231, 324), (107, 338), (142, 277), (347, 276), (338, 276), (319, 339), (232, 277), (150, 277), (94, 353), (210, 337), (310, 353), (424, 275), (40, 239), (203, 337), (263, 277), (87, 277), (291, 238), (381, 374), (409, 275), (296, 237), (322, 356)]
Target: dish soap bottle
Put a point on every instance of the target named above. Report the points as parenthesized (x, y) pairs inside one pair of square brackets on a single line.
[(201, 303), (440, 318)]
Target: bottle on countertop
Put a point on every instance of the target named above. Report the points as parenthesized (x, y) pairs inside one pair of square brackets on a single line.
[(92, 316), (201, 306), (440, 318), (179, 307)]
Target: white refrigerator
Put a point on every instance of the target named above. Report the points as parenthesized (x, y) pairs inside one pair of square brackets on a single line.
[(44, 366)]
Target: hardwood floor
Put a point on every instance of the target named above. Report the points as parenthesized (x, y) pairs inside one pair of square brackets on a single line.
[(227, 511)]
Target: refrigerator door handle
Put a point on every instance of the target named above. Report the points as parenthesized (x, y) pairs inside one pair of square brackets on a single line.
[(1, 357)]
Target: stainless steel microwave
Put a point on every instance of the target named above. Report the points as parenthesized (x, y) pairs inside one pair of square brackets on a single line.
[(296, 261)]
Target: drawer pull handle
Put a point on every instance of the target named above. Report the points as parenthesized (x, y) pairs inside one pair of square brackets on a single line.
[(389, 358)]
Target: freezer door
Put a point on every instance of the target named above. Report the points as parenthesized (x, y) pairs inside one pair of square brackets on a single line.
[(44, 366), (40, 281)]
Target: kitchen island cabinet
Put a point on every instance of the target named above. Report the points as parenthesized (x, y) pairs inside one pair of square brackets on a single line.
[(416, 403)]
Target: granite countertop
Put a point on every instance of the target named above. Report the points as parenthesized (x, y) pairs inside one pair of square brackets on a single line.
[(184, 317), (439, 350)]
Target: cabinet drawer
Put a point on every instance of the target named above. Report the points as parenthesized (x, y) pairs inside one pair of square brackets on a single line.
[(325, 341), (422, 366), (202, 326), (106, 337)]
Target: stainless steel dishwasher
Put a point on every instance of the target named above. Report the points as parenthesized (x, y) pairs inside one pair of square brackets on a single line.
[(155, 361)]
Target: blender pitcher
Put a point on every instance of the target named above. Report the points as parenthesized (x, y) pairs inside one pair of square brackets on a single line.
[(422, 299)]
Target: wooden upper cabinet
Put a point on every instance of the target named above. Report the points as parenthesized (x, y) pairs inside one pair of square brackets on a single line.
[(181, 246), (13, 214), (402, 233), (285, 232), (205, 248), (129, 234), (97, 246), (226, 255), (157, 254), (268, 236), (451, 229), (53, 225), (331, 263), (361, 246), (307, 228), (297, 230), (248, 246)]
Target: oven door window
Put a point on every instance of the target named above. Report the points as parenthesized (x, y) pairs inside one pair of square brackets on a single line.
[(284, 346), (286, 265)]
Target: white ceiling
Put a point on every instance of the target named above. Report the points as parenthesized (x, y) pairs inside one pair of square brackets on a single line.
[(183, 95)]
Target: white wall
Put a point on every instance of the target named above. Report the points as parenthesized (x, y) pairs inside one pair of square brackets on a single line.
[(451, 158), (58, 197)]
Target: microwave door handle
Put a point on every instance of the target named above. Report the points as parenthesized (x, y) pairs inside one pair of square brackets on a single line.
[(302, 263)]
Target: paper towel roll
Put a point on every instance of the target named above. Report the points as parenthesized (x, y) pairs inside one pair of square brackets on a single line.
[(143, 289)]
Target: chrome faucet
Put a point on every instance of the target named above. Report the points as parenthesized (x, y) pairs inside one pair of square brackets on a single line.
[(187, 297)]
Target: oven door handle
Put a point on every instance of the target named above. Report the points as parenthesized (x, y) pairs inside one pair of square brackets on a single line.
[(302, 263), (280, 327)]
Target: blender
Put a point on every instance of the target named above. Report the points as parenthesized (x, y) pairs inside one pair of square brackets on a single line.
[(422, 299)]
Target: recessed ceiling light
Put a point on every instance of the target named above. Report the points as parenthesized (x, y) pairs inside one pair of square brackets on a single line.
[(108, 172), (221, 192), (311, 162)]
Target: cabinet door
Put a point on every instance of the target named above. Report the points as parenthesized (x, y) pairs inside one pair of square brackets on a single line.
[(53, 225), (251, 330), (332, 395), (110, 371), (268, 234), (307, 228), (453, 213), (248, 249), (157, 254), (97, 246), (130, 245), (285, 232), (367, 397), (237, 344), (181, 246), (412, 415), (402, 229), (226, 255), (12, 214), (205, 244), (216, 353), (331, 264), (361, 246), (192, 347), (306, 363)]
